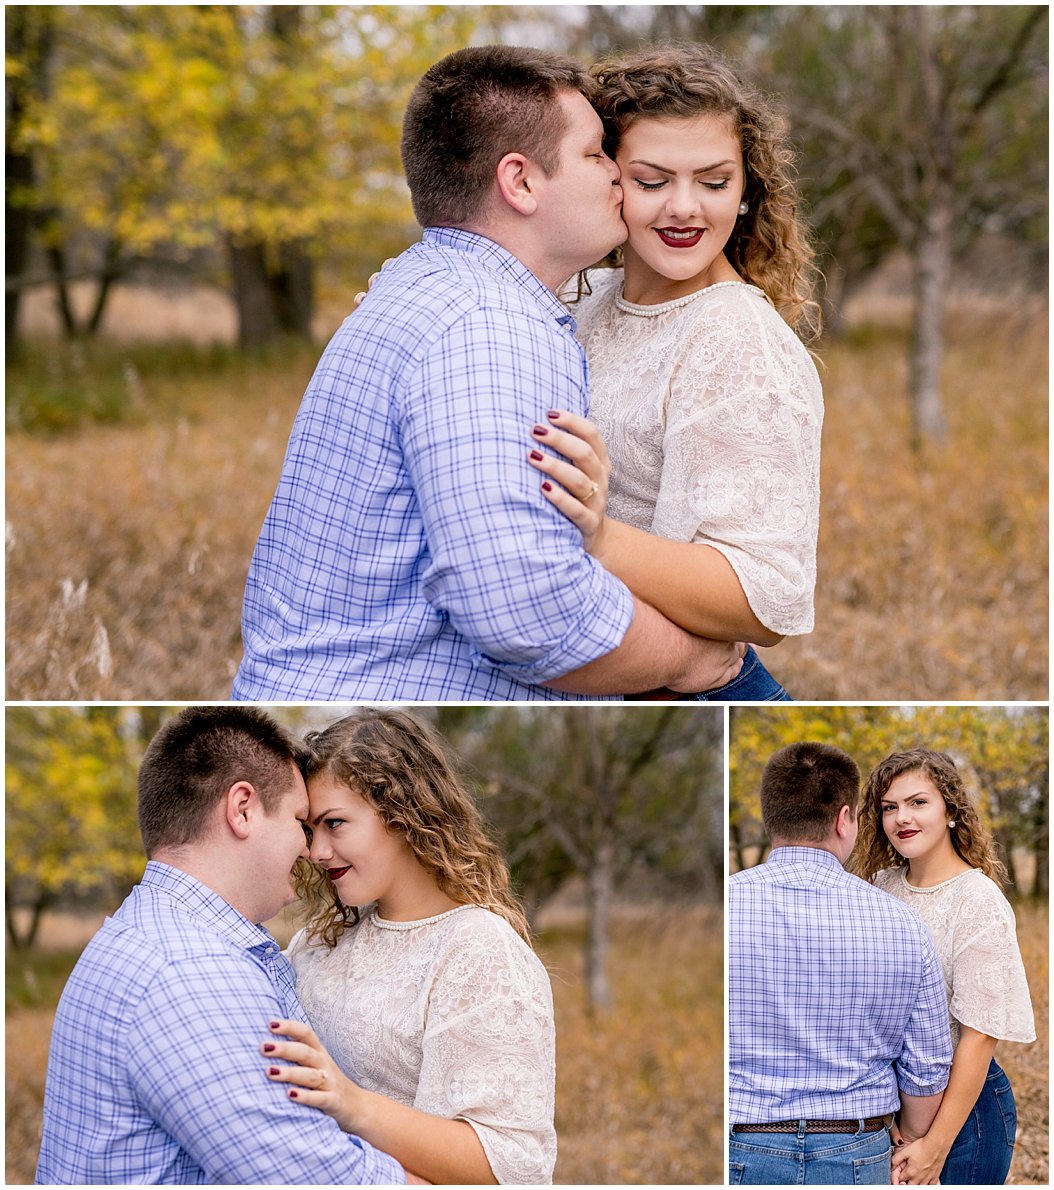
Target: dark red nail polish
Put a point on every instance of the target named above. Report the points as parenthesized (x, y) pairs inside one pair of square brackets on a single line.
[(268, 1048), (272, 1070), (275, 1024), (540, 431), (547, 486), (293, 1095), (537, 456), (553, 414)]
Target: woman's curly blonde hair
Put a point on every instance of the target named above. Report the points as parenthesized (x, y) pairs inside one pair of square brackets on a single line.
[(970, 838), (768, 247), (400, 767)]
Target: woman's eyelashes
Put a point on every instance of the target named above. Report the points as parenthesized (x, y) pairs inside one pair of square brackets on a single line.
[(663, 182)]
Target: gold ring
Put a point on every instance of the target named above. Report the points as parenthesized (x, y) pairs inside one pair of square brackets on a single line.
[(593, 489), (322, 1080)]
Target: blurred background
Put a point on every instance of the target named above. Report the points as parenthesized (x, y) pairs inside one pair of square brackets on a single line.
[(1004, 757), (194, 194), (611, 821)]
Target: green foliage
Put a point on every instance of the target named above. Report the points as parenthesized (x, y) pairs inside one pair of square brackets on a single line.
[(71, 821), (1002, 752), (171, 125), (638, 788)]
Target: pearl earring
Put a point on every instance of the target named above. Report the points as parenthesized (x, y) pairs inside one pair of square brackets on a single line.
[(743, 208), (951, 825)]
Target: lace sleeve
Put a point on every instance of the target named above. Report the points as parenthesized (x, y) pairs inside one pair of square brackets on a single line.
[(489, 1051), (741, 456), (989, 987)]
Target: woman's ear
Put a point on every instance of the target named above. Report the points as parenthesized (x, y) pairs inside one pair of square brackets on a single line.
[(515, 176)]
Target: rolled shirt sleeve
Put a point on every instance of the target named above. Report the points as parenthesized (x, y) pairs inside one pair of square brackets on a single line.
[(926, 1057), (513, 579)]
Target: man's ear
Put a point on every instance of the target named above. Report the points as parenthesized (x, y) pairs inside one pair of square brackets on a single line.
[(842, 822), (241, 801), (516, 176)]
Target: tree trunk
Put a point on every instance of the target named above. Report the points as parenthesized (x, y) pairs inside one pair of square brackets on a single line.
[(932, 260), (25, 940), (29, 35), (1041, 849), (601, 881), (271, 301)]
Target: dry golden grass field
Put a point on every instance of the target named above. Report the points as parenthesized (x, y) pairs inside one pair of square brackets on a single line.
[(639, 1094), (128, 539)]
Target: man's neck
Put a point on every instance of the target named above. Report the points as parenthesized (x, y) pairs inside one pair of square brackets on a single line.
[(519, 243), (824, 845), (206, 870)]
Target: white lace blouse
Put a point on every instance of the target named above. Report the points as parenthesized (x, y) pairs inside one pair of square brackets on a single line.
[(975, 934), (452, 1015), (711, 410)]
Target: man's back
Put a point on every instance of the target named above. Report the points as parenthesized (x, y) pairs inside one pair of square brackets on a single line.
[(408, 551), (154, 1074), (830, 984)]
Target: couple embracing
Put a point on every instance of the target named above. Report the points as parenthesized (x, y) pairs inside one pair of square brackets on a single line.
[(439, 530), (182, 1051), (865, 1009)]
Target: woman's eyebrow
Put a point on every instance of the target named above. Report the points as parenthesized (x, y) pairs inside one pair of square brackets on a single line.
[(703, 169)]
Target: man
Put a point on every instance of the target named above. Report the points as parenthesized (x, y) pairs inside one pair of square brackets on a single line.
[(155, 1073), (837, 1008), (408, 551)]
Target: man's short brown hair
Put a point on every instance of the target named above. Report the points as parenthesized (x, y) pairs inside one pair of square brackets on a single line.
[(472, 108), (802, 789), (197, 756)]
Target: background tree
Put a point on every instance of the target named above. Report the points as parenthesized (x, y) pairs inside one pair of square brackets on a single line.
[(71, 823), (29, 39), (611, 795), (1001, 752), (270, 130), (924, 126)]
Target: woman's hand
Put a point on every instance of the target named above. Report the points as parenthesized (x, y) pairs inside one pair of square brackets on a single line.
[(581, 488), (314, 1079), (919, 1163), (357, 299)]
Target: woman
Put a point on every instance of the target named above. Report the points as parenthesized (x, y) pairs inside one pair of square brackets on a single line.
[(416, 969), (708, 403), (918, 817)]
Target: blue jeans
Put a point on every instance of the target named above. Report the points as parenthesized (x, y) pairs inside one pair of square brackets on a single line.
[(753, 683), (981, 1153), (809, 1158)]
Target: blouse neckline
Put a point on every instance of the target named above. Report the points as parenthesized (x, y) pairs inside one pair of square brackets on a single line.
[(931, 888), (384, 924), (676, 303)]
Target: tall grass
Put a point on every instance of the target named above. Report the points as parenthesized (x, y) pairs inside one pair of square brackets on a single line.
[(128, 543), (639, 1095)]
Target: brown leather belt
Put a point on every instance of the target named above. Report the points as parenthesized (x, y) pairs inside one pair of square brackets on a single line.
[(874, 1124)]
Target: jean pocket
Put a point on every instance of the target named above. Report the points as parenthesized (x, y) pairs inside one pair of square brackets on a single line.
[(1004, 1097), (873, 1171), (735, 1173)]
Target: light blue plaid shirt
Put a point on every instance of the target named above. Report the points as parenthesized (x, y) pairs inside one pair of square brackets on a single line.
[(155, 1074), (835, 995), (408, 552)]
